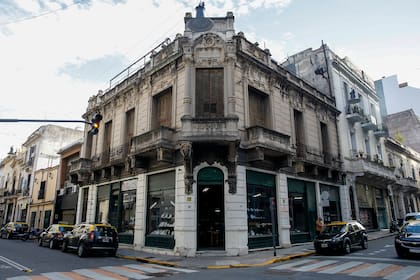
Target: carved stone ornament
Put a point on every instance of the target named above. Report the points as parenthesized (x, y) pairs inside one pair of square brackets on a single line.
[(186, 152)]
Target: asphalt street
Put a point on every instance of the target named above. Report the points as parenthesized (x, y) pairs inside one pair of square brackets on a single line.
[(379, 261)]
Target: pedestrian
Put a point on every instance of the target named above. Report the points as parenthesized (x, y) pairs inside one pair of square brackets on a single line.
[(319, 225)]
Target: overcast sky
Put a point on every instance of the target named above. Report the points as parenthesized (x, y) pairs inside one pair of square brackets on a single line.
[(55, 54)]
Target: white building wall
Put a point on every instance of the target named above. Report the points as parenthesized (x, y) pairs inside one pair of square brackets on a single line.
[(140, 225), (283, 211)]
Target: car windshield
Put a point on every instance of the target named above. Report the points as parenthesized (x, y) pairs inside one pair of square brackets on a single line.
[(412, 217), (65, 228), (334, 229), (412, 228), (104, 231)]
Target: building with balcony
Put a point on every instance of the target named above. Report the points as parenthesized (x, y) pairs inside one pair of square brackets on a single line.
[(41, 208), (204, 142), (405, 191), (12, 188), (67, 188), (361, 132)]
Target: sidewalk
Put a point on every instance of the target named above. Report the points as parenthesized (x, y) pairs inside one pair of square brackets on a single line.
[(217, 260)]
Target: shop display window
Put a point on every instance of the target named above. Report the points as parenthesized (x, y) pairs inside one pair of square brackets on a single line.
[(260, 192), (160, 207)]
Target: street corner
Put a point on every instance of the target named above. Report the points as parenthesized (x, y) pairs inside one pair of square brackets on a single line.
[(148, 260)]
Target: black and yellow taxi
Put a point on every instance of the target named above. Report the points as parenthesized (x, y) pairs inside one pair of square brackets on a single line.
[(341, 237), (53, 235), (91, 238), (407, 242), (14, 230)]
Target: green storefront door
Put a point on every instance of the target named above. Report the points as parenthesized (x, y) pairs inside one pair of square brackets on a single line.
[(302, 210)]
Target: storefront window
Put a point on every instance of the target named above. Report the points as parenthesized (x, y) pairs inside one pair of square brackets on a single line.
[(330, 201), (102, 207), (260, 192), (161, 210), (128, 211)]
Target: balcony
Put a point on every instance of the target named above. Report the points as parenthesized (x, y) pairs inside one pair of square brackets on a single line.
[(271, 142), (209, 129), (381, 131), (155, 143), (369, 123), (354, 113), (80, 169), (100, 160), (371, 172), (80, 165), (309, 154), (119, 154), (353, 99)]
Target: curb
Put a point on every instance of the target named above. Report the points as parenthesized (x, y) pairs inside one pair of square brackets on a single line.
[(146, 260), (271, 261)]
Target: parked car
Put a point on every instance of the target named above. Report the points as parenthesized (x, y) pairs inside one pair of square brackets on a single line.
[(407, 241), (340, 237), (412, 216), (53, 235), (88, 238), (15, 230)]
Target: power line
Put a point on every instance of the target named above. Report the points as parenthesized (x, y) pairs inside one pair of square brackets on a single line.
[(40, 15)]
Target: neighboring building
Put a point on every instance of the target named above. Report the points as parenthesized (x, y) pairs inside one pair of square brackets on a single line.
[(396, 97), (406, 190), (38, 152), (405, 125), (41, 209), (67, 191), (205, 134), (361, 133)]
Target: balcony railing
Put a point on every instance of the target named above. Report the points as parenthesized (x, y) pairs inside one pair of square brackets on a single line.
[(100, 160), (369, 123), (80, 165), (309, 153), (258, 136), (354, 113), (161, 137), (353, 98), (118, 154), (214, 129)]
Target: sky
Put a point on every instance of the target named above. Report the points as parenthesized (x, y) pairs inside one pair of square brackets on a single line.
[(55, 54)]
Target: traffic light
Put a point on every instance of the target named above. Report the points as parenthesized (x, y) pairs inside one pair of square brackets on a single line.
[(95, 123)]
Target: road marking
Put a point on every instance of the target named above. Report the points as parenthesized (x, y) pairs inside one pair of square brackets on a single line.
[(126, 273), (341, 267), (20, 278), (56, 276), (369, 259), (315, 265), (404, 273), (291, 264), (145, 268), (15, 264), (175, 269), (92, 274), (370, 270)]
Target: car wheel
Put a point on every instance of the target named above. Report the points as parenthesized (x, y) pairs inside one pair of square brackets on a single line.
[(113, 253), (364, 244), (81, 251), (64, 246), (51, 244), (347, 247), (40, 242), (400, 253)]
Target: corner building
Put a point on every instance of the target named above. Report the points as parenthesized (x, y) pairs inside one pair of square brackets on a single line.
[(205, 142)]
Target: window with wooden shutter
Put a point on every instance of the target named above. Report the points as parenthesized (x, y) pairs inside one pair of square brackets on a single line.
[(129, 125), (209, 93), (163, 109), (107, 136), (258, 108)]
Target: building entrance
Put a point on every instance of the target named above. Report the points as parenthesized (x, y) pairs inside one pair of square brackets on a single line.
[(211, 210)]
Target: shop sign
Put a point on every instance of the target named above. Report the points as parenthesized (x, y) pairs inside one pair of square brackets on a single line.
[(129, 185)]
